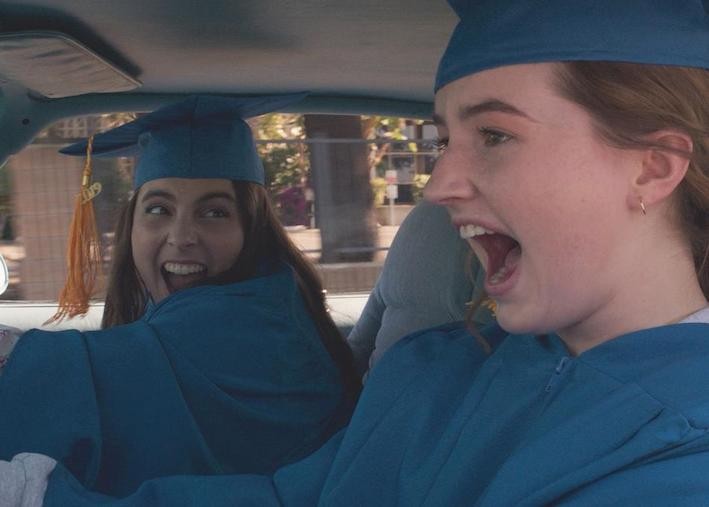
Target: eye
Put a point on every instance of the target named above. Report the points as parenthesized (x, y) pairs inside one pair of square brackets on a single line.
[(441, 144), (156, 209), (216, 213), (492, 137)]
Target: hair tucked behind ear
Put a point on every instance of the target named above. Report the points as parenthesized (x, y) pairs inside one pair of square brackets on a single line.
[(628, 102), (264, 240)]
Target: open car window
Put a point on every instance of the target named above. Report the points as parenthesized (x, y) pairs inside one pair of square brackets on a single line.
[(60, 61), (341, 186)]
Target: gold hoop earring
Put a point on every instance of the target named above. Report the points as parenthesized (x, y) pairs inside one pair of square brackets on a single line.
[(642, 206)]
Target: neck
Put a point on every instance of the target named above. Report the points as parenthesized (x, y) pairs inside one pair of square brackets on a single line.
[(646, 298)]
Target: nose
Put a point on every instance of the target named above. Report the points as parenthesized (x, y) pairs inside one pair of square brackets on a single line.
[(451, 180), (182, 232)]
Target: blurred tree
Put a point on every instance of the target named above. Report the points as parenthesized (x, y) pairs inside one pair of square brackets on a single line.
[(385, 127), (286, 164), (400, 131)]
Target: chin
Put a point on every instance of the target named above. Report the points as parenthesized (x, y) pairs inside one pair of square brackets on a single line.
[(517, 322)]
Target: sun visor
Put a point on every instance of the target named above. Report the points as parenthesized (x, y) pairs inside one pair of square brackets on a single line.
[(55, 66)]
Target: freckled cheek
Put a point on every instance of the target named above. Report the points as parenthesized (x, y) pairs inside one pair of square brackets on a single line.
[(563, 253)]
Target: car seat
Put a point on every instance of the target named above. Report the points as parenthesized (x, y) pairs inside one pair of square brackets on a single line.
[(424, 282)]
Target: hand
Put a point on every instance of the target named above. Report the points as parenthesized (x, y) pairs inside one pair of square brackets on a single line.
[(8, 340), (23, 481)]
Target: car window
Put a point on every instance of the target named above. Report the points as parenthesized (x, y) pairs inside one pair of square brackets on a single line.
[(341, 185)]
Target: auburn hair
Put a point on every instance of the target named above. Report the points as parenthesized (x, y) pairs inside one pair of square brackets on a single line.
[(628, 101)]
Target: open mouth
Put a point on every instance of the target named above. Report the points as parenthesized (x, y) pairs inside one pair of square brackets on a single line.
[(498, 253), (179, 275)]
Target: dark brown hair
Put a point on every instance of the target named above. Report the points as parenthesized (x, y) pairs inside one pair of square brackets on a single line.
[(629, 101), (265, 241)]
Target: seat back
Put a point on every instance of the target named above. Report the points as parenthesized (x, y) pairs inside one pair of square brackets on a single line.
[(424, 283)]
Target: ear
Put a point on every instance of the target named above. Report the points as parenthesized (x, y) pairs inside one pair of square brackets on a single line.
[(661, 169)]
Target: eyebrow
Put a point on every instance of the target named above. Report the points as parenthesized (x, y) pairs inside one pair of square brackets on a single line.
[(157, 193), (170, 197), (217, 195), (488, 106)]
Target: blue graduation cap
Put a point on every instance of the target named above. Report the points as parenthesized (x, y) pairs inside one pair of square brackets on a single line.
[(494, 33), (203, 136)]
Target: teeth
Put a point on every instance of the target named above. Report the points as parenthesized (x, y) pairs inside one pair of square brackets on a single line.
[(470, 231), (183, 269)]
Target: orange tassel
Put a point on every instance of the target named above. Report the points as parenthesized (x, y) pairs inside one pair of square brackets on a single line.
[(83, 250)]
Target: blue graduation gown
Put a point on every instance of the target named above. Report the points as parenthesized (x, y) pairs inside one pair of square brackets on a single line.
[(212, 380), (440, 423)]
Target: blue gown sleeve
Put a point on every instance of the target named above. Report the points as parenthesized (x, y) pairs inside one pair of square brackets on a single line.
[(48, 392), (215, 380), (298, 484), (187, 491)]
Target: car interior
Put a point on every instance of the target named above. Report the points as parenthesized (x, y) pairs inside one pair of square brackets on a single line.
[(63, 59)]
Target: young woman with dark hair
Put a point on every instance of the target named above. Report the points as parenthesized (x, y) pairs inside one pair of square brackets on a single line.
[(264, 241), (217, 355)]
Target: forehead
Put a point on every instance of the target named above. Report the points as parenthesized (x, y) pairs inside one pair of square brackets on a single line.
[(528, 87), (188, 188)]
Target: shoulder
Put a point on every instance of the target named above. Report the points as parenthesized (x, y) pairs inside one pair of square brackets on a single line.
[(439, 347), (261, 323), (51, 342), (456, 334), (45, 355), (275, 293), (669, 363)]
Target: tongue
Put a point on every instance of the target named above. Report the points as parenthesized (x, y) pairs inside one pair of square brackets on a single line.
[(501, 251), (176, 282)]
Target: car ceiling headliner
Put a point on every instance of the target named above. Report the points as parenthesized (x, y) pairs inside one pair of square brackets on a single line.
[(365, 48), (357, 57)]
